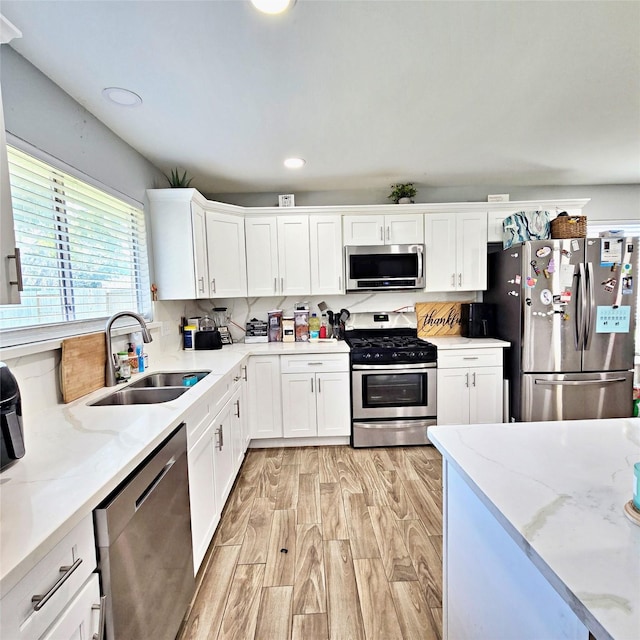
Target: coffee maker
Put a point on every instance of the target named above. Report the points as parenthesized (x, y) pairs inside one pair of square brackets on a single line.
[(11, 434)]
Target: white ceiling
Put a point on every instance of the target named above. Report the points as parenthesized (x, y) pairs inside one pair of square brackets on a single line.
[(368, 92)]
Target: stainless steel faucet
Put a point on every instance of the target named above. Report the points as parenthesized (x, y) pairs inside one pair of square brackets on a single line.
[(110, 370)]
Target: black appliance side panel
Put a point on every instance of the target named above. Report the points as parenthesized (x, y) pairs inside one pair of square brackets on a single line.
[(505, 290)]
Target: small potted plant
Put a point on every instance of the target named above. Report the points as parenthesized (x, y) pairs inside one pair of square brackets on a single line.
[(402, 193), (176, 181)]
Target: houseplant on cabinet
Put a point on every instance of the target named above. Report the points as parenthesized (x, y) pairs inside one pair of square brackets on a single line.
[(402, 193), (176, 181)]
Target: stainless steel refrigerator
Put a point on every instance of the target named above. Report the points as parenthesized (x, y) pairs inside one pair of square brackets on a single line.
[(568, 308)]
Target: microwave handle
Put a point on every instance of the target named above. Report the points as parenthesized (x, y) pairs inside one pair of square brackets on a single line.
[(420, 271)]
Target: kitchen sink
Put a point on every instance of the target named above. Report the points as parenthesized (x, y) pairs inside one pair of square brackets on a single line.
[(169, 379), (140, 396)]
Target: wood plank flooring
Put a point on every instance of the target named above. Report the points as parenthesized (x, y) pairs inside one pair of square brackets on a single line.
[(326, 543)]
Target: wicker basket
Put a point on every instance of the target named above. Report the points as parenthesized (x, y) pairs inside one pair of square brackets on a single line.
[(569, 227)]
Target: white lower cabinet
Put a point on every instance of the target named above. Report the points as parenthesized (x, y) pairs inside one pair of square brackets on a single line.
[(264, 400), (470, 386), (81, 619), (223, 457), (315, 396)]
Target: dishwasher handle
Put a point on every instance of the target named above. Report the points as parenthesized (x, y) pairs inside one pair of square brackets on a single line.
[(155, 482)]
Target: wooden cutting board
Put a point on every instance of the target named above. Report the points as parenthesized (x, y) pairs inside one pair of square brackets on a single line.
[(438, 319), (82, 365)]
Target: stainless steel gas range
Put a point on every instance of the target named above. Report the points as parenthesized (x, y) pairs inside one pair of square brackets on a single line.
[(393, 380)]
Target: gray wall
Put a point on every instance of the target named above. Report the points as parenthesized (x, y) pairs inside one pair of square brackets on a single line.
[(608, 202), (37, 111)]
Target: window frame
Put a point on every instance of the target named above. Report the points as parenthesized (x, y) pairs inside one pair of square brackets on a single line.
[(50, 335)]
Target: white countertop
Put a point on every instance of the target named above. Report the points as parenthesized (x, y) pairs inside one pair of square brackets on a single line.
[(77, 454), (558, 489), (459, 342)]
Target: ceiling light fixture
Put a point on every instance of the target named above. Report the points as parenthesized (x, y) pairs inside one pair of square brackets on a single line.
[(272, 7), (122, 97), (294, 163)]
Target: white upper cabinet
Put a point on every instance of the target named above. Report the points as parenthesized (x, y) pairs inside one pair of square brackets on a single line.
[(456, 251), (387, 229), (226, 256), (325, 246), (278, 256), (178, 231), (10, 271)]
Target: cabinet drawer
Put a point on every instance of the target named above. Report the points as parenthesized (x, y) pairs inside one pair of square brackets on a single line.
[(310, 363), (18, 619), (466, 358), (81, 618), (197, 419)]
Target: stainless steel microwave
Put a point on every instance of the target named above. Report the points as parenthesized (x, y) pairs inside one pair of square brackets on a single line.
[(385, 267)]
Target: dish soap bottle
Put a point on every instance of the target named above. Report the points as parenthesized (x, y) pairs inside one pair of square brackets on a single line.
[(314, 328)]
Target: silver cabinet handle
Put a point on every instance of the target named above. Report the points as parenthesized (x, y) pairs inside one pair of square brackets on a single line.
[(319, 386), (466, 384), (213, 285), (311, 385), (388, 233), (18, 280), (275, 285), (474, 378), (102, 606), (459, 279), (453, 279), (315, 364), (244, 373), (281, 285), (40, 600), (220, 438), (381, 234), (340, 283), (469, 357), (201, 284), (237, 403)]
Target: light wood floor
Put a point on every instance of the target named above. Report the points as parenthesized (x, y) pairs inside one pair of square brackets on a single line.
[(326, 542)]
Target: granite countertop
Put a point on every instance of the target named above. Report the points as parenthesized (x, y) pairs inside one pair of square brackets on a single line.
[(558, 489), (77, 454)]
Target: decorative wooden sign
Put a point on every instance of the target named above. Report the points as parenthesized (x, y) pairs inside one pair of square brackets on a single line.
[(438, 319)]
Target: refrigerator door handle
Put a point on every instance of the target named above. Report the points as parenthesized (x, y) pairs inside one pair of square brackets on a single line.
[(577, 383), (591, 311), (582, 305)]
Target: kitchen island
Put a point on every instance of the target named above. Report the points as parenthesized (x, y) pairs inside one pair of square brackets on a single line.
[(536, 542)]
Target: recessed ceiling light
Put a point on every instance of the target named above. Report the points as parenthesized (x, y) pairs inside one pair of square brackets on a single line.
[(294, 163), (272, 6), (122, 97)]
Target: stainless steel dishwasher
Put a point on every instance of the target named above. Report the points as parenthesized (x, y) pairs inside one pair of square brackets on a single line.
[(144, 546)]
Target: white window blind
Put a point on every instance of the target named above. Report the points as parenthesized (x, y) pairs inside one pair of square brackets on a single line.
[(84, 252)]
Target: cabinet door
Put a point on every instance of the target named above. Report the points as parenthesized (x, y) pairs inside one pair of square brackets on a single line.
[(471, 251), (485, 397), (453, 396), (363, 230), (299, 405), (404, 229), (293, 255), (325, 247), (80, 619), (201, 271), (204, 515), (264, 397), (441, 273), (333, 404), (223, 455), (261, 237), (237, 432), (226, 256), (9, 294)]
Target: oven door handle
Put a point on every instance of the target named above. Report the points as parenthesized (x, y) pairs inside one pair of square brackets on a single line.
[(394, 367)]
